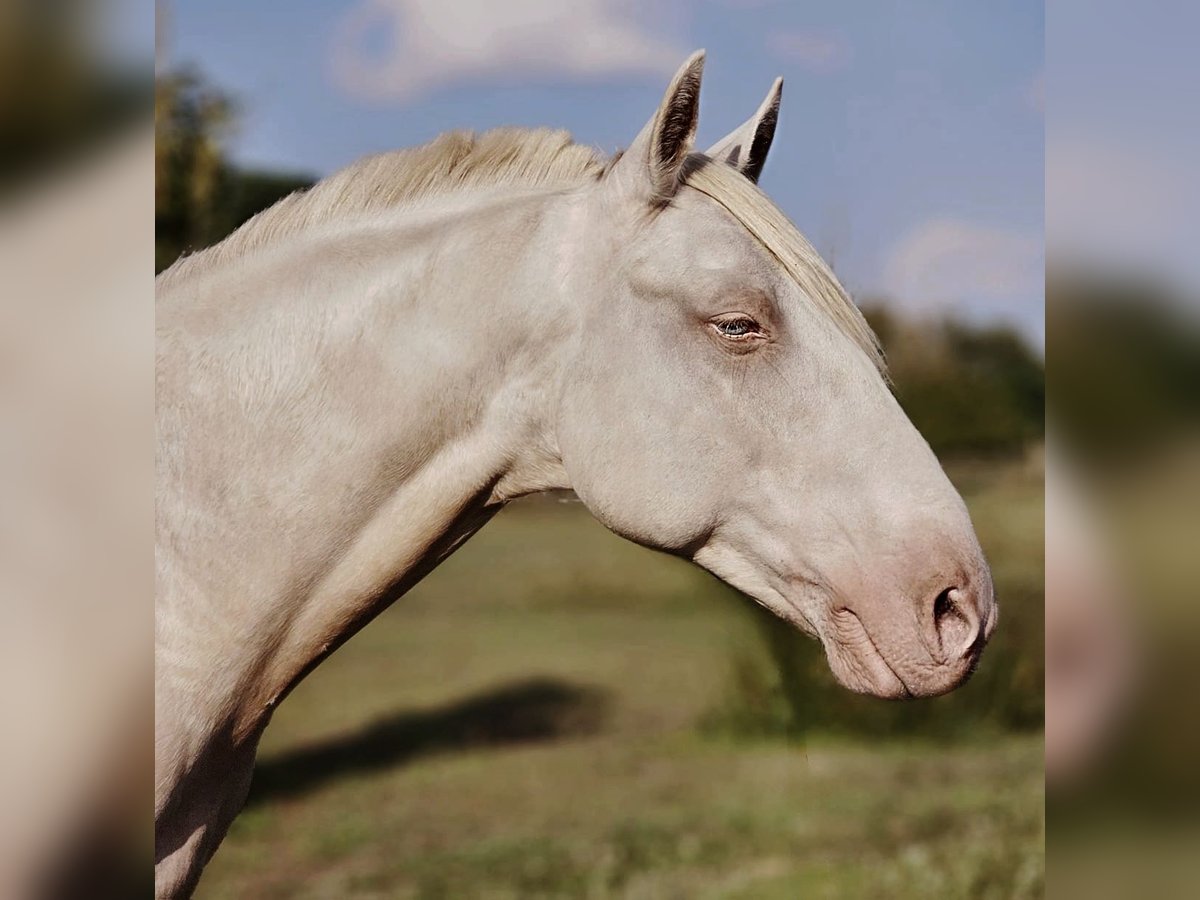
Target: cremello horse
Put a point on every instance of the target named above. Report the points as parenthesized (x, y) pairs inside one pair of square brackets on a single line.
[(359, 378)]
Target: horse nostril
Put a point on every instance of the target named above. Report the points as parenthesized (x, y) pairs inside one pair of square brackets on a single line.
[(956, 621), (942, 605)]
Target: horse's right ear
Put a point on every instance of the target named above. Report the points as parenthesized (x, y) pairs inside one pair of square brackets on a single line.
[(653, 164), (746, 147)]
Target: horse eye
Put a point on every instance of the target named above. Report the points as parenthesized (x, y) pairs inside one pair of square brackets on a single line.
[(737, 327)]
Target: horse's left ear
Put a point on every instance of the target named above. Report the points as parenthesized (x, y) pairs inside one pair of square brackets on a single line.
[(653, 165), (746, 147)]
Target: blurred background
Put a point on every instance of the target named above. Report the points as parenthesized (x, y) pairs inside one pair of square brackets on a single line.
[(76, 407), (555, 712), (1123, 331)]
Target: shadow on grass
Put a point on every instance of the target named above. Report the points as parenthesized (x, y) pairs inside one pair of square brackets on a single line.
[(539, 709)]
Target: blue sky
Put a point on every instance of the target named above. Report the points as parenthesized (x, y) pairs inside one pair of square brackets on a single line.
[(910, 144)]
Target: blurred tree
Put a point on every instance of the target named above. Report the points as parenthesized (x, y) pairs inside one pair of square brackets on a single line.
[(1126, 364), (190, 121), (970, 391), (59, 98), (200, 197)]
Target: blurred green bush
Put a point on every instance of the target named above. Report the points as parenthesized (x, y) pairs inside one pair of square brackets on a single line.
[(971, 391)]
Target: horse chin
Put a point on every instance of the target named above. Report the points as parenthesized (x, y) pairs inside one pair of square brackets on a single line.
[(856, 661)]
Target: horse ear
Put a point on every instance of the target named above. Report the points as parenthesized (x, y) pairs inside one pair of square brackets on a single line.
[(653, 163), (746, 147)]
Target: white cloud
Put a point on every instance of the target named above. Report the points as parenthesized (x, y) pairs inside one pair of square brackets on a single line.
[(951, 265), (815, 52), (427, 44)]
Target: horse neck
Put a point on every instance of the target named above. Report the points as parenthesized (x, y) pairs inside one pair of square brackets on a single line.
[(410, 395)]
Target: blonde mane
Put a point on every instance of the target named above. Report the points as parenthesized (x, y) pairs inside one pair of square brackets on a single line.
[(762, 218), (452, 162), (460, 160)]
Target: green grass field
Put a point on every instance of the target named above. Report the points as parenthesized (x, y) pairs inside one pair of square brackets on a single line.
[(529, 723)]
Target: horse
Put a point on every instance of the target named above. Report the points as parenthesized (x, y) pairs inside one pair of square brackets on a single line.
[(360, 377)]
